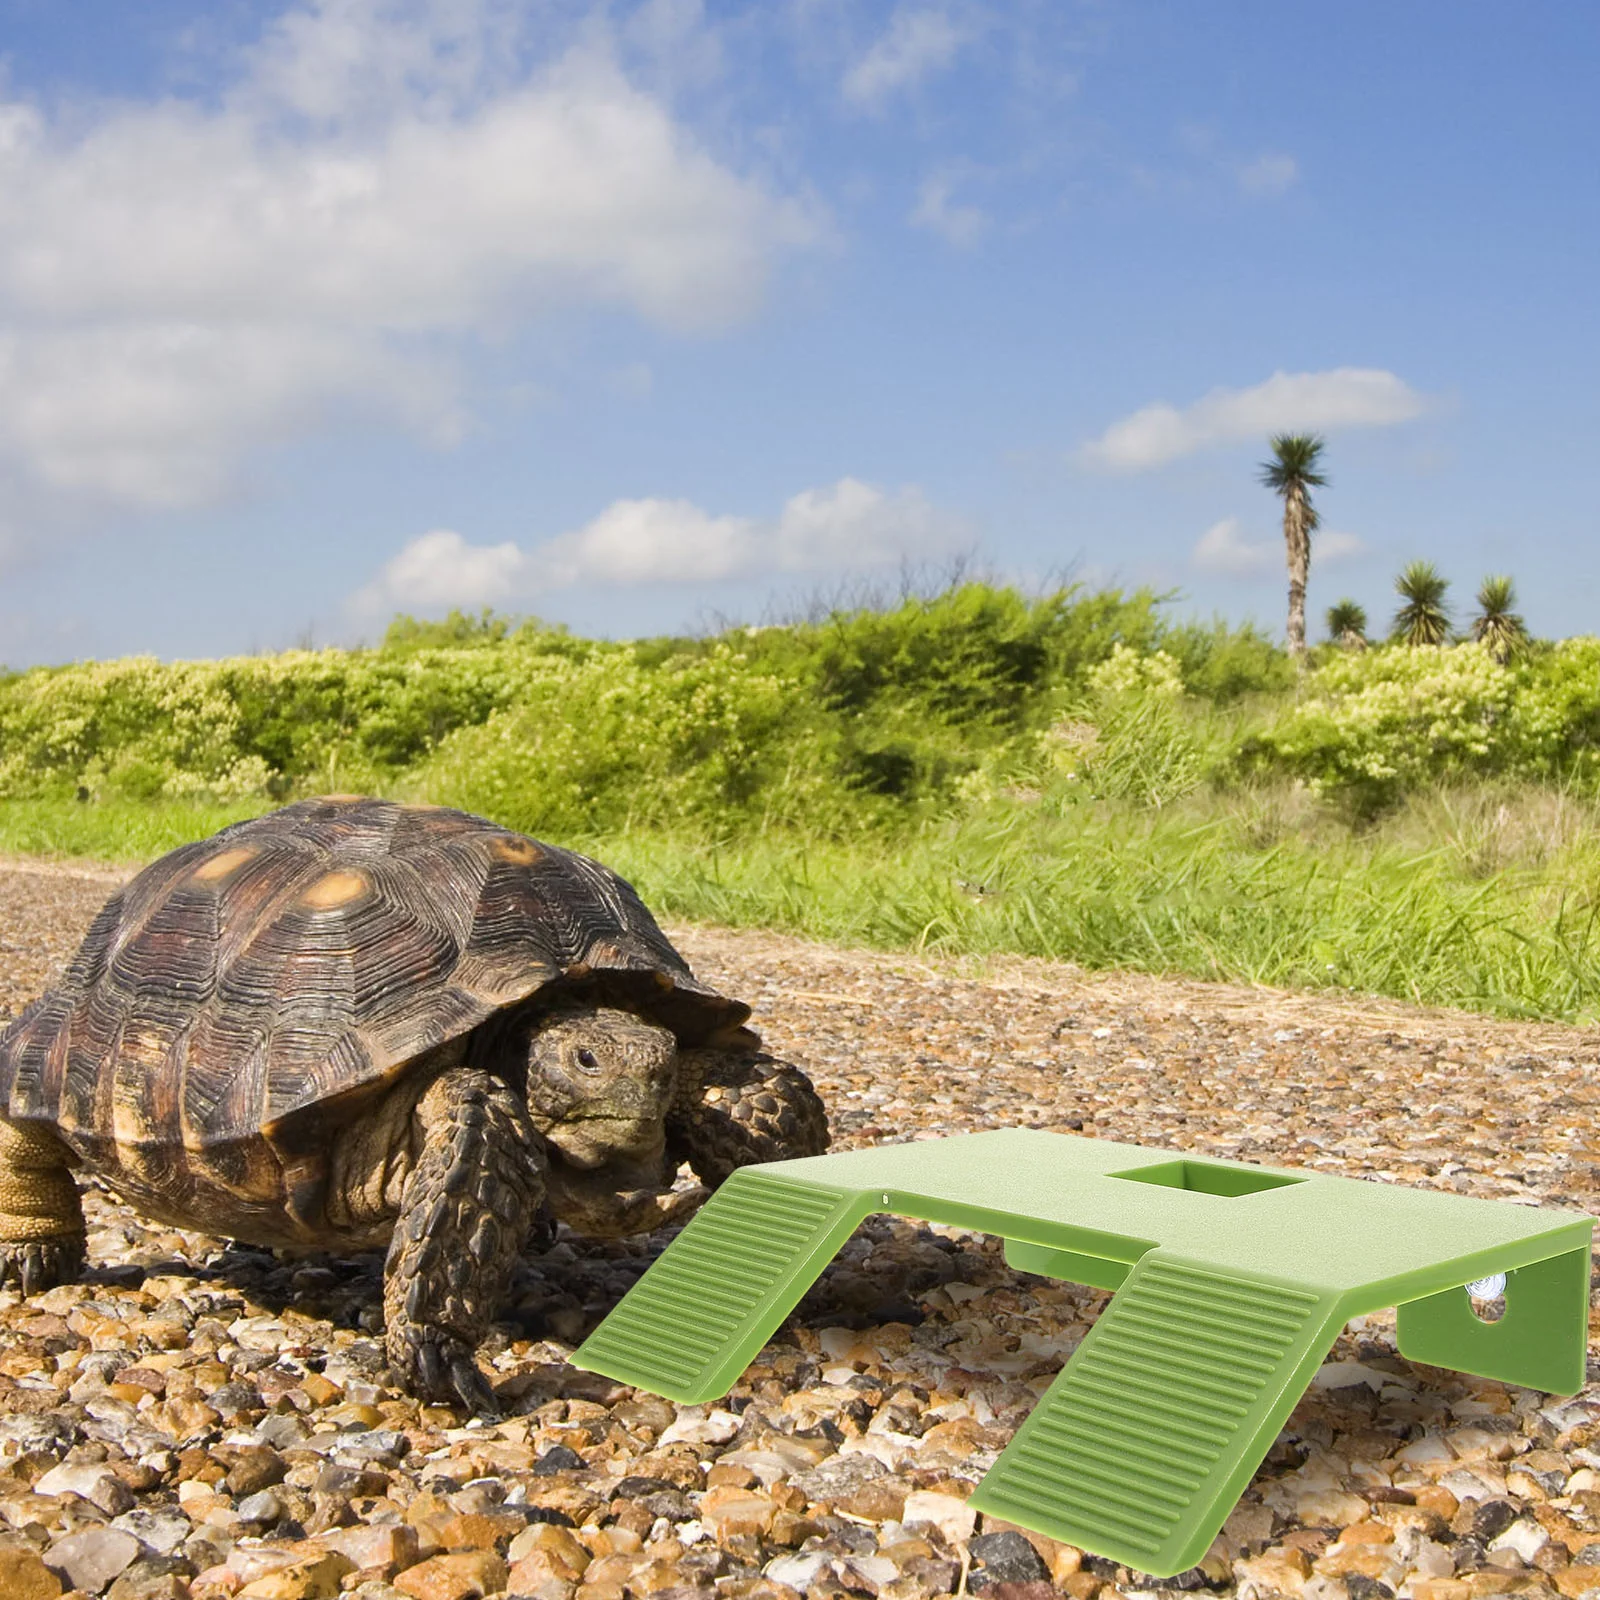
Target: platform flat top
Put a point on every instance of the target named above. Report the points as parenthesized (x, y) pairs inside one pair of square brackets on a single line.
[(1072, 1193)]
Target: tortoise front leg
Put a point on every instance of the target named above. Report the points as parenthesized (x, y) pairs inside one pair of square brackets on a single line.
[(735, 1109), (41, 1216), (465, 1211)]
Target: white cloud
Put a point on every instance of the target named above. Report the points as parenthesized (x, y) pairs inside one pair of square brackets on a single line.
[(1223, 548), (648, 541), (1269, 175), (959, 225), (854, 524), (382, 181), (919, 40), (1347, 397), (440, 570), (849, 525)]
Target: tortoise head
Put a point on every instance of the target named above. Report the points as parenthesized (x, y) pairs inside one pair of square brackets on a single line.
[(600, 1083)]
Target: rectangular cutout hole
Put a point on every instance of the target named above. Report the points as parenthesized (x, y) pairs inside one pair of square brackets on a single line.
[(1202, 1177)]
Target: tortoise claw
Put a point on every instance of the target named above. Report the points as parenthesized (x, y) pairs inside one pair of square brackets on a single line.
[(433, 1365), (39, 1264)]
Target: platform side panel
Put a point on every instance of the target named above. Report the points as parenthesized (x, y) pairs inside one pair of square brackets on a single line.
[(695, 1320), (1541, 1341), (1142, 1445)]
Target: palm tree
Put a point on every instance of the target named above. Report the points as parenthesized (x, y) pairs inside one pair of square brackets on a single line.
[(1291, 473), (1347, 625), (1423, 618), (1497, 625)]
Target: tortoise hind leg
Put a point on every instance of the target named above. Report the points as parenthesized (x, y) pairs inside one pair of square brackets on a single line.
[(468, 1205), (735, 1109), (41, 1216)]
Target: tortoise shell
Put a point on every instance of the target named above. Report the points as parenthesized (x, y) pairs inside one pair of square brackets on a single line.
[(238, 987)]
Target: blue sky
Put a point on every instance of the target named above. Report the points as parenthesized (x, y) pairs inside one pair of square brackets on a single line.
[(638, 315)]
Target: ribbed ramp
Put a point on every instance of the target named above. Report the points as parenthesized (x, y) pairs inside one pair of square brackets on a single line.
[(691, 1325), (1150, 1433)]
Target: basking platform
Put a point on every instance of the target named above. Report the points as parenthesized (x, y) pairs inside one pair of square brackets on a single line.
[(1232, 1282)]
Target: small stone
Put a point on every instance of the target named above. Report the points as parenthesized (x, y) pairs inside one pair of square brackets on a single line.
[(263, 1507), (730, 1513), (558, 1459), (386, 1547), (696, 1426), (465, 1575), (1524, 1536), (153, 1578), (23, 1576), (560, 1544), (311, 1578), (476, 1530), (1006, 1558), (252, 1467), (1429, 1450), (90, 1481), (878, 1500), (91, 1559), (1440, 1501), (1280, 1570), (798, 1571), (162, 1531), (949, 1513)]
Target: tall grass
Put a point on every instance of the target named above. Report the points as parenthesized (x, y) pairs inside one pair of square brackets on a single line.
[(1190, 890), (1484, 897), (113, 830)]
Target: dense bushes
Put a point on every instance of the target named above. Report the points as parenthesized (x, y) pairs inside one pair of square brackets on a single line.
[(970, 698), (835, 723), (1374, 726)]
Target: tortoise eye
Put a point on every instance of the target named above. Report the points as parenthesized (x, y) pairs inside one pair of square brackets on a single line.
[(588, 1061)]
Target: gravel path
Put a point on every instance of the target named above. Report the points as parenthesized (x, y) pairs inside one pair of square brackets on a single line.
[(199, 1420)]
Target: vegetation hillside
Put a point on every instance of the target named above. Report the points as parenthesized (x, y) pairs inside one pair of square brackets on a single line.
[(1072, 775)]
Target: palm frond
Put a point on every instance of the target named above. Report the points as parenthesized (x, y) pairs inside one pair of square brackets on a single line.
[(1347, 623), (1294, 463), (1423, 618), (1497, 625)]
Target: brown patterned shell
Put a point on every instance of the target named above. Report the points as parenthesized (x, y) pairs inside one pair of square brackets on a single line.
[(240, 983)]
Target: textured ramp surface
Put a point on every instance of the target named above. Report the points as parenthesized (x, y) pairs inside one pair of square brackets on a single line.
[(690, 1326), (1148, 1435)]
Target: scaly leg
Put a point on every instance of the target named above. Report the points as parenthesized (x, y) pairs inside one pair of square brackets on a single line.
[(735, 1109), (41, 1216), (468, 1205)]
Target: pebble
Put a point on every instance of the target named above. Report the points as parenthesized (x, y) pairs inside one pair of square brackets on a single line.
[(91, 1559), (96, 1484), (23, 1576), (219, 1420)]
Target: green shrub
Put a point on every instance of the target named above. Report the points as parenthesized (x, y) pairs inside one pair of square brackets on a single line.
[(606, 744), (1374, 725)]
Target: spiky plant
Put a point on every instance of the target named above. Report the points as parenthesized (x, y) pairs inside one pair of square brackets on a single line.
[(1497, 625), (1423, 617), (1292, 472), (1347, 625)]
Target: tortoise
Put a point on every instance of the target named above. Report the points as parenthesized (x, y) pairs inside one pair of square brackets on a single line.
[(352, 1023)]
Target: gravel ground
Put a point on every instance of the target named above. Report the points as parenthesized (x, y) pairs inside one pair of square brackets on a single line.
[(202, 1420)]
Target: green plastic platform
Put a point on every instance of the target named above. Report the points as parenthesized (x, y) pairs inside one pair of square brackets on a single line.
[(1232, 1282)]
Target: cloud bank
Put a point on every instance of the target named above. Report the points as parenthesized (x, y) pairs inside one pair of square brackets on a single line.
[(847, 526), (1288, 402), (381, 183)]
